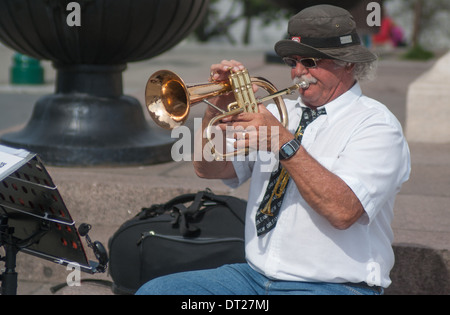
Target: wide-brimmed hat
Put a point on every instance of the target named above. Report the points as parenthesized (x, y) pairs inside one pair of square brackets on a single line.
[(324, 31)]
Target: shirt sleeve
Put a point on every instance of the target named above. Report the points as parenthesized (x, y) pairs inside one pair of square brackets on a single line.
[(243, 172), (374, 163), (243, 167)]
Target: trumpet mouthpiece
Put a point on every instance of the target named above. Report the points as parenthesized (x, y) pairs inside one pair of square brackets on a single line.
[(304, 85)]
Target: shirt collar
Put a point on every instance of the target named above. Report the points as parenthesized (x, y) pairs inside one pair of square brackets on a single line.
[(339, 104)]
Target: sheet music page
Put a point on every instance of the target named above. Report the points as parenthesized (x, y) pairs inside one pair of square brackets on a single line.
[(11, 159)]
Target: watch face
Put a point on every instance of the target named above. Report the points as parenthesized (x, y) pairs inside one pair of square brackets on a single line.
[(288, 150)]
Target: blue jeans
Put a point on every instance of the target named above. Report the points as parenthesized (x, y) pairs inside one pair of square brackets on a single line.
[(241, 279)]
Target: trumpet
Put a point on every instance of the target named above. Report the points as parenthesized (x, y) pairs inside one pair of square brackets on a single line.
[(169, 100)]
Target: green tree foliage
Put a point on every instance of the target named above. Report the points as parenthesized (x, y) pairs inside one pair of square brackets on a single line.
[(424, 15), (217, 24)]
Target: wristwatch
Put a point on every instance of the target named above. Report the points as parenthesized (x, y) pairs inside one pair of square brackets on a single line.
[(289, 149)]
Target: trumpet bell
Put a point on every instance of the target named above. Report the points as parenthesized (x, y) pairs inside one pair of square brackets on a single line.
[(169, 99), (166, 98)]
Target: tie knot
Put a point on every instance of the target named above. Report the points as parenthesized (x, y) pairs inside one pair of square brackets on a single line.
[(310, 114)]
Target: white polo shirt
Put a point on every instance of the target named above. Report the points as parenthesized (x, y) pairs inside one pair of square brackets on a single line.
[(360, 141)]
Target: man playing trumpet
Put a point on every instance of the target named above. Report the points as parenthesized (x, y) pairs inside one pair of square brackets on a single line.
[(319, 221)]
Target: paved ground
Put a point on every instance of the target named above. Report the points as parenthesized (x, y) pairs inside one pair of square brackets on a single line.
[(106, 197)]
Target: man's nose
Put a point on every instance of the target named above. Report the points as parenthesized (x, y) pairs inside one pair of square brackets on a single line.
[(299, 70)]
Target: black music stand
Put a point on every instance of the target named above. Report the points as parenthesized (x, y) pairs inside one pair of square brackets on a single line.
[(35, 220)]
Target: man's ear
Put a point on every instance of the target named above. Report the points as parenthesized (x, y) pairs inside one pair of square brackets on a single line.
[(349, 66)]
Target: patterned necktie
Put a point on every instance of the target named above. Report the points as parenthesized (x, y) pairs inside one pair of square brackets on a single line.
[(267, 215)]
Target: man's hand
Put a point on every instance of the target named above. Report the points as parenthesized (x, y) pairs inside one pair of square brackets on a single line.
[(221, 71), (257, 131)]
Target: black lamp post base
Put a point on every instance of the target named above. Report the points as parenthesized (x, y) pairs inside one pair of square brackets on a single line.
[(89, 122), (86, 130)]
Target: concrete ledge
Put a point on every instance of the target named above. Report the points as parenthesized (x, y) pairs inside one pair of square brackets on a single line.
[(420, 270), (106, 198), (428, 107)]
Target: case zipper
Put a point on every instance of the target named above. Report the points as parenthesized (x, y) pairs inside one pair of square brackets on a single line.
[(196, 240)]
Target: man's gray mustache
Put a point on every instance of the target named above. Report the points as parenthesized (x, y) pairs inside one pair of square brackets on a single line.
[(307, 79)]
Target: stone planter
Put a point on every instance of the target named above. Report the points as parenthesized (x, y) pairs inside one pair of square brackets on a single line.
[(298, 5), (88, 121)]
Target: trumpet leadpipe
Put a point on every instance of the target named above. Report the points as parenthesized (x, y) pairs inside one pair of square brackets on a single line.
[(287, 91)]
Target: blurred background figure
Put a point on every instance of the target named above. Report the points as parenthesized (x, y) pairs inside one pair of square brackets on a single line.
[(389, 34)]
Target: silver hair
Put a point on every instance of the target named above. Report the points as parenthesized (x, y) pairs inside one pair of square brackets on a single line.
[(362, 71)]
